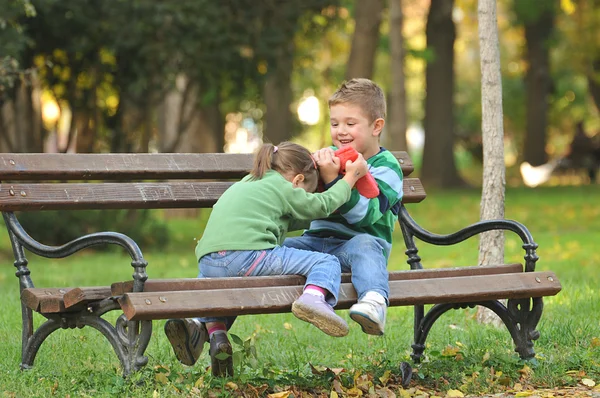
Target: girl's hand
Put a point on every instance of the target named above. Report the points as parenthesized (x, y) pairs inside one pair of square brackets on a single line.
[(356, 170)]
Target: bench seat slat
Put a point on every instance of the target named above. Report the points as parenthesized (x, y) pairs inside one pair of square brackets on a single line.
[(107, 166), (154, 195), (464, 289), (158, 285), (53, 300)]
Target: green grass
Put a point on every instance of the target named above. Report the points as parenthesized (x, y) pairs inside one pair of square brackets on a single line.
[(461, 353)]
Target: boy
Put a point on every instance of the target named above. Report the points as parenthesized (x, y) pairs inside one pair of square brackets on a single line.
[(359, 233)]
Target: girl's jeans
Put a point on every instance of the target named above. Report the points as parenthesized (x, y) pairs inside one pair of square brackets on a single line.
[(362, 255), (320, 269)]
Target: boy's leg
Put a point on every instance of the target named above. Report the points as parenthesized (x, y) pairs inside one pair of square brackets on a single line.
[(365, 258)]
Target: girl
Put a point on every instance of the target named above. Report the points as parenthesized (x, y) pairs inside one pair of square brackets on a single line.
[(243, 237)]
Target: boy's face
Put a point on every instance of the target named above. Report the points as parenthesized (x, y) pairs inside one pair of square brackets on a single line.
[(350, 126)]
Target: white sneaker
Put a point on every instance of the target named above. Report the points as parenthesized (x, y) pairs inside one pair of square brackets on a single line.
[(370, 313)]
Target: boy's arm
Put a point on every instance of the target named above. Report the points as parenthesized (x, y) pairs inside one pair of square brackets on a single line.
[(361, 211)]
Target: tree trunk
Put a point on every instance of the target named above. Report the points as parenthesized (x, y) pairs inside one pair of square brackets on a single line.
[(186, 126), (396, 126), (439, 168), (538, 85), (367, 17), (491, 245), (21, 119), (594, 82), (278, 96)]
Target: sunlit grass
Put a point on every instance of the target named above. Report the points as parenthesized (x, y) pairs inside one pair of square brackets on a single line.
[(565, 222)]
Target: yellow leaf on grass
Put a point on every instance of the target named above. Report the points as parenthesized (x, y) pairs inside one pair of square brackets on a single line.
[(333, 394), (161, 378), (588, 382), (199, 383), (283, 394), (524, 394), (450, 351), (454, 393), (287, 326), (354, 392), (525, 371), (385, 378), (231, 385), (595, 342)]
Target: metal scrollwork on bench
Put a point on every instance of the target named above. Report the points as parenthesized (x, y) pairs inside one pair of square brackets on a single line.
[(129, 339), (520, 316)]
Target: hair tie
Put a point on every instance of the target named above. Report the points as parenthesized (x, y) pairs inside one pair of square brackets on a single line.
[(275, 148)]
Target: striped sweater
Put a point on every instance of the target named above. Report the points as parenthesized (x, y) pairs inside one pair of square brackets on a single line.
[(360, 215)]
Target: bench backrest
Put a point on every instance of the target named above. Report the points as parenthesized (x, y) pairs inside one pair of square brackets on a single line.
[(132, 181)]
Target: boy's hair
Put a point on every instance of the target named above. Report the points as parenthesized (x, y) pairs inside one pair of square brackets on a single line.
[(285, 158), (362, 92)]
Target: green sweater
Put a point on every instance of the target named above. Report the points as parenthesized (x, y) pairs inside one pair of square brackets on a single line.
[(257, 214)]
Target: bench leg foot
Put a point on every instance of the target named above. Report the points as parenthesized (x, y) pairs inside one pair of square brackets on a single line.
[(32, 344), (128, 339), (134, 337), (520, 317)]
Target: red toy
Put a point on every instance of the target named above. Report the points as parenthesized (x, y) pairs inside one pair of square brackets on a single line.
[(367, 186)]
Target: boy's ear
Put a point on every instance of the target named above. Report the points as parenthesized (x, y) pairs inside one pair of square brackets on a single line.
[(378, 126), (297, 180)]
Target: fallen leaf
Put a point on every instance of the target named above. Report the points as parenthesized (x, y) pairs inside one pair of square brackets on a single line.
[(287, 326), (385, 378), (199, 383), (588, 382), (231, 385), (595, 342), (524, 394), (282, 394), (161, 378), (454, 393)]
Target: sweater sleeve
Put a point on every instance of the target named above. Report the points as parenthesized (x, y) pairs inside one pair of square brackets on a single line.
[(304, 206), (361, 211)]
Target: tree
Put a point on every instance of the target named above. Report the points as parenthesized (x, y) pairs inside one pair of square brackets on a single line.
[(538, 19), (367, 17), (439, 167), (397, 114), (20, 111), (491, 245)]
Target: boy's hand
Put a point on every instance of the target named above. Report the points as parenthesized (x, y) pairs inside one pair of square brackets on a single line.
[(328, 163)]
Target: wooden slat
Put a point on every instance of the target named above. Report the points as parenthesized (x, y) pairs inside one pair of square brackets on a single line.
[(51, 166), (86, 295), (33, 297), (261, 300), (168, 194), (160, 285), (130, 166), (52, 300)]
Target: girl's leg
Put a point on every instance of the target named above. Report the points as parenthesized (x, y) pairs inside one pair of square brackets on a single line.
[(323, 277)]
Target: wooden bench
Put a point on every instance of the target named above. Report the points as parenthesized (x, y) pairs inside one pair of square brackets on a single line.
[(37, 182)]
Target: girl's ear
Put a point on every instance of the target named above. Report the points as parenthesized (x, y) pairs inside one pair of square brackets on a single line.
[(298, 178)]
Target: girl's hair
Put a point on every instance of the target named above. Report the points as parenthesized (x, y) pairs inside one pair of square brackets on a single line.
[(285, 158)]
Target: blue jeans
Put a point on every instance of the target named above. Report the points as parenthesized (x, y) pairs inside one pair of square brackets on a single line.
[(362, 255), (320, 269)]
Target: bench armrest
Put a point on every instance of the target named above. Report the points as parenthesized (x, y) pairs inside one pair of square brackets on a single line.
[(411, 229), (21, 239)]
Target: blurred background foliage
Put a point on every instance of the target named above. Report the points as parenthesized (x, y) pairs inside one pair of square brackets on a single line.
[(211, 76)]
